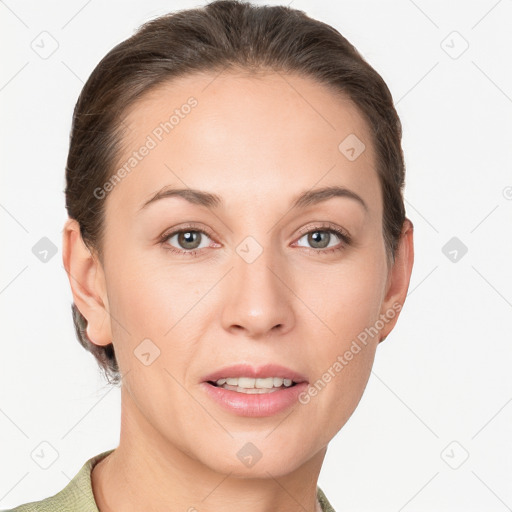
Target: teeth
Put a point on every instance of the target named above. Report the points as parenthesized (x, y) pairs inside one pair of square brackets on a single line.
[(250, 383)]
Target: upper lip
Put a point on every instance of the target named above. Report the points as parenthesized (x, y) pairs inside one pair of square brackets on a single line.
[(260, 372)]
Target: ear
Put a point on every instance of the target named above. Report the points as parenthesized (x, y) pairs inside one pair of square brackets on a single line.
[(399, 276), (87, 280)]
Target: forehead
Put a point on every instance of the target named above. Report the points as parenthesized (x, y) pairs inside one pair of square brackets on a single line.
[(232, 133)]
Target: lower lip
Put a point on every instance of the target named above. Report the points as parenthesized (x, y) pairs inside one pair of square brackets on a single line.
[(256, 405)]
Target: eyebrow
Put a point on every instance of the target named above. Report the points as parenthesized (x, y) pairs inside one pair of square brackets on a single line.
[(213, 201)]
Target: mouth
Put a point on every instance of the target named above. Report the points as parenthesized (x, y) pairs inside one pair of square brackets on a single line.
[(245, 390), (247, 379), (253, 386)]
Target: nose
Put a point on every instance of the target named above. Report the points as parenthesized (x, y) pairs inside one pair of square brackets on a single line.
[(259, 298)]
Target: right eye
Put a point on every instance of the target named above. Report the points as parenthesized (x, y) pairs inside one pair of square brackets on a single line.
[(188, 241)]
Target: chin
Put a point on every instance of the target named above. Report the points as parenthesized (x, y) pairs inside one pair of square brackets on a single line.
[(254, 459)]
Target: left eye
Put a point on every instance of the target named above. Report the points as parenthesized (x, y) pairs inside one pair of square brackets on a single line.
[(320, 238)]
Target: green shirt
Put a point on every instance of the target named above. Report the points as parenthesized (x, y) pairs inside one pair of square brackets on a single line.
[(77, 496)]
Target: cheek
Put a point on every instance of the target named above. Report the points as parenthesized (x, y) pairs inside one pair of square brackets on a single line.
[(140, 301), (151, 302), (339, 382), (146, 294), (349, 303), (348, 297)]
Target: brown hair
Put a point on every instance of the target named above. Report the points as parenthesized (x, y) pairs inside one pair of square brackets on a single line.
[(222, 34)]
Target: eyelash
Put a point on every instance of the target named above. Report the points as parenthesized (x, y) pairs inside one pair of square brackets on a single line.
[(329, 228)]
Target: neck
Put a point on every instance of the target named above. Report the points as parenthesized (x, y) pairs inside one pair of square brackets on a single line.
[(148, 472)]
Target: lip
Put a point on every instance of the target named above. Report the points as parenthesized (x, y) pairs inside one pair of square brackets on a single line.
[(257, 405), (261, 372)]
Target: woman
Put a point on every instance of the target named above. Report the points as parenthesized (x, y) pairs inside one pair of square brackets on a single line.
[(237, 247)]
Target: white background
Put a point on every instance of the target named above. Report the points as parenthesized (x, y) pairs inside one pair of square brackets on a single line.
[(443, 375)]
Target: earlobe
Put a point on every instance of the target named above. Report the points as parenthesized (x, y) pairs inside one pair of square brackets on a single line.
[(87, 281), (398, 279)]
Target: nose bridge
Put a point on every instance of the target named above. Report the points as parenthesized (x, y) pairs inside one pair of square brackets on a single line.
[(258, 300)]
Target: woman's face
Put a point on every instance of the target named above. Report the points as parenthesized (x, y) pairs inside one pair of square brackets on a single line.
[(254, 278)]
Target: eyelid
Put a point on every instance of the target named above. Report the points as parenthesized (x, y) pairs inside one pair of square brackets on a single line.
[(187, 226), (326, 225)]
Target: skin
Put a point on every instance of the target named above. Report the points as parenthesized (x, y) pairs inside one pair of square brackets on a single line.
[(257, 142)]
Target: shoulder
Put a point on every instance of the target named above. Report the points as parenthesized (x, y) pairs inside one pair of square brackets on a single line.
[(324, 502), (77, 496)]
